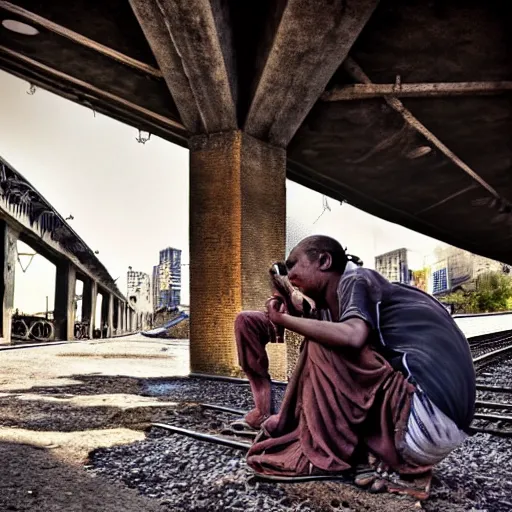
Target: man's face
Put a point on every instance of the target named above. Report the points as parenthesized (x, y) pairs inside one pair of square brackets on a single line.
[(302, 273)]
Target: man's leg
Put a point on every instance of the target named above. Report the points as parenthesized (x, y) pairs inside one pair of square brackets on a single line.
[(252, 332)]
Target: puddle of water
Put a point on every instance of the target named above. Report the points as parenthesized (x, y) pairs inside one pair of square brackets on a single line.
[(162, 388)]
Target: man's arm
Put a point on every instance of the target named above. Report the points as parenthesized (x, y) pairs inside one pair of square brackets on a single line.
[(351, 333)]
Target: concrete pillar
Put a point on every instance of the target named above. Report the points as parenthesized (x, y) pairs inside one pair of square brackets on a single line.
[(126, 326), (89, 298), (121, 316), (110, 315), (8, 263), (237, 230), (64, 309), (115, 315), (104, 314)]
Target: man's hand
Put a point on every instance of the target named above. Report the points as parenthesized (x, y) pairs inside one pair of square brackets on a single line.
[(276, 309)]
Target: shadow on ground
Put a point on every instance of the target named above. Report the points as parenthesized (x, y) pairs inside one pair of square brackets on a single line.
[(36, 481)]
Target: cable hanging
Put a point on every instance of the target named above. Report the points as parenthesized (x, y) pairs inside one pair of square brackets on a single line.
[(325, 206), (30, 254)]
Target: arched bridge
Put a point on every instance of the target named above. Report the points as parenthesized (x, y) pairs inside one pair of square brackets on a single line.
[(26, 216)]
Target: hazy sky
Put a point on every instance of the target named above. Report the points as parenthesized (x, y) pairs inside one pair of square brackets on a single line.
[(130, 200)]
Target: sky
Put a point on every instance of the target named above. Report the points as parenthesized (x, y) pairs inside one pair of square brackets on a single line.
[(130, 200)]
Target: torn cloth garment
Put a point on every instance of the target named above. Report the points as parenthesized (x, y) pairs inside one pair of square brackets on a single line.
[(337, 400)]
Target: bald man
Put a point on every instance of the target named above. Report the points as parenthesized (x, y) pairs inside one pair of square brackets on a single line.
[(384, 374)]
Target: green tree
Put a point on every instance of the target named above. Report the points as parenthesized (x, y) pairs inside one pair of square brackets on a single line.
[(493, 292), (493, 289)]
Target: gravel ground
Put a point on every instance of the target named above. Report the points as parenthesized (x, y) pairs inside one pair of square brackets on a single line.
[(474, 477), (478, 476), (209, 391), (187, 475), (171, 472), (499, 374)]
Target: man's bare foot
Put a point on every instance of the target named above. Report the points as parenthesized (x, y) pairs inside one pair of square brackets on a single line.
[(255, 418), (416, 486)]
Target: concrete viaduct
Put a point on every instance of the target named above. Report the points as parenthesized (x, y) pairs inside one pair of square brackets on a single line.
[(25, 215), (398, 107)]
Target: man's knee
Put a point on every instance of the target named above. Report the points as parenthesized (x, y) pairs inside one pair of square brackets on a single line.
[(247, 320)]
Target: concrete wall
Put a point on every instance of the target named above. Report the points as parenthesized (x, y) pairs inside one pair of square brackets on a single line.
[(475, 325)]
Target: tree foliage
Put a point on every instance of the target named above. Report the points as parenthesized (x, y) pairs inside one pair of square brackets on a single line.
[(493, 292)]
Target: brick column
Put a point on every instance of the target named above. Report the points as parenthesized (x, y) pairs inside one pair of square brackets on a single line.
[(64, 309), (237, 229), (8, 257)]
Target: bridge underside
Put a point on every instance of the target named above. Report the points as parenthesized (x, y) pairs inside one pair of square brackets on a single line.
[(399, 107)]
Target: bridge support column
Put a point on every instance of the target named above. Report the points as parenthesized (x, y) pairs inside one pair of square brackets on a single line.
[(64, 310), (89, 298), (115, 315), (121, 317), (110, 315), (104, 315), (237, 230), (8, 258)]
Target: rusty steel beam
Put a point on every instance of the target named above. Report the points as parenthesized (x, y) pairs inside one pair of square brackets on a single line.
[(80, 39), (357, 73), (417, 90), (93, 89)]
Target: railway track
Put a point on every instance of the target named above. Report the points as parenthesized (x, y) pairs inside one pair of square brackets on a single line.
[(491, 416)]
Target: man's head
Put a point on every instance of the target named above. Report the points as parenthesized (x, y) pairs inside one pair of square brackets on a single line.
[(315, 261)]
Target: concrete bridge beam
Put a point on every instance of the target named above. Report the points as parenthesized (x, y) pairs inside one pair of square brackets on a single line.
[(64, 310), (237, 230)]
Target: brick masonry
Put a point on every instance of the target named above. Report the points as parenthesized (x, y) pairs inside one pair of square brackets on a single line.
[(237, 229)]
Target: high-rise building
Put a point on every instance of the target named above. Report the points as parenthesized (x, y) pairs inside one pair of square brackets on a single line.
[(394, 266), (167, 279), (139, 291), (453, 269)]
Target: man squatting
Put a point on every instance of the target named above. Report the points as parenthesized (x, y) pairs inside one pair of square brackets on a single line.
[(384, 387)]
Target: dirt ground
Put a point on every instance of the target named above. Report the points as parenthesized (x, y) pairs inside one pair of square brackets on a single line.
[(60, 403), (50, 420)]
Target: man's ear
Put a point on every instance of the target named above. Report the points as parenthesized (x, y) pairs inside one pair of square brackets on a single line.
[(325, 261)]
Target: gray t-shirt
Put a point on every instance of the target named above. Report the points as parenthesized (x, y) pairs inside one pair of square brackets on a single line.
[(415, 333)]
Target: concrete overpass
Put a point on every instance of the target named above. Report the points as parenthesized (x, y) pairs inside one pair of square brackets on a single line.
[(399, 107), (25, 215)]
